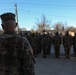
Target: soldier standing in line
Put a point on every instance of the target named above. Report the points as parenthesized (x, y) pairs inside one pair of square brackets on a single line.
[(74, 44), (39, 43), (34, 44), (44, 44), (67, 43), (49, 43), (16, 56), (28, 36), (57, 44)]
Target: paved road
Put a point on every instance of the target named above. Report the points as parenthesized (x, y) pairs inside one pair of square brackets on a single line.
[(53, 66)]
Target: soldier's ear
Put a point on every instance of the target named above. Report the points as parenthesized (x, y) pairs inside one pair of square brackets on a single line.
[(2, 26), (16, 24)]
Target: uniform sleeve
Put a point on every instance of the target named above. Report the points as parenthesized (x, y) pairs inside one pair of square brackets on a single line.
[(28, 57)]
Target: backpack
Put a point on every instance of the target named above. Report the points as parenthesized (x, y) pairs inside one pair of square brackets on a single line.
[(11, 53)]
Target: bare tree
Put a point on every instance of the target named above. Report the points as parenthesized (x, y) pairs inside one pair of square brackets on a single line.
[(59, 26), (32, 30), (44, 24)]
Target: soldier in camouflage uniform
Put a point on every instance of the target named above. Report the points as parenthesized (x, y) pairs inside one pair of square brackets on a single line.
[(67, 43), (74, 44), (44, 44), (34, 44), (16, 56), (39, 42), (57, 44), (49, 43)]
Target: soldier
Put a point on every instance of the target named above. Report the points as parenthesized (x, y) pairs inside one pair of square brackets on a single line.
[(44, 44), (74, 45), (67, 43), (28, 36), (34, 44), (16, 57), (49, 43), (57, 43), (39, 42), (36, 39)]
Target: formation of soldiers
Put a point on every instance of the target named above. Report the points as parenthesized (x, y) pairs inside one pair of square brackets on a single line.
[(42, 43), (17, 50)]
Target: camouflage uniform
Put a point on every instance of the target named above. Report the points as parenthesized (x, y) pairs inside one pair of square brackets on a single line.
[(57, 43), (36, 41), (35, 45), (44, 44), (39, 42), (67, 43), (29, 37), (74, 45), (49, 43), (14, 67)]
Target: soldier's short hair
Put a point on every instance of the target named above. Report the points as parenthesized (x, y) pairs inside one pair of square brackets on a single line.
[(67, 32), (7, 16), (75, 34), (57, 33)]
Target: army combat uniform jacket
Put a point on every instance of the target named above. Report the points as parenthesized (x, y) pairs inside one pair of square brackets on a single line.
[(16, 58)]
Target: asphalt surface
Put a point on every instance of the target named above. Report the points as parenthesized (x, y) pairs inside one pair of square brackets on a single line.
[(54, 66)]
